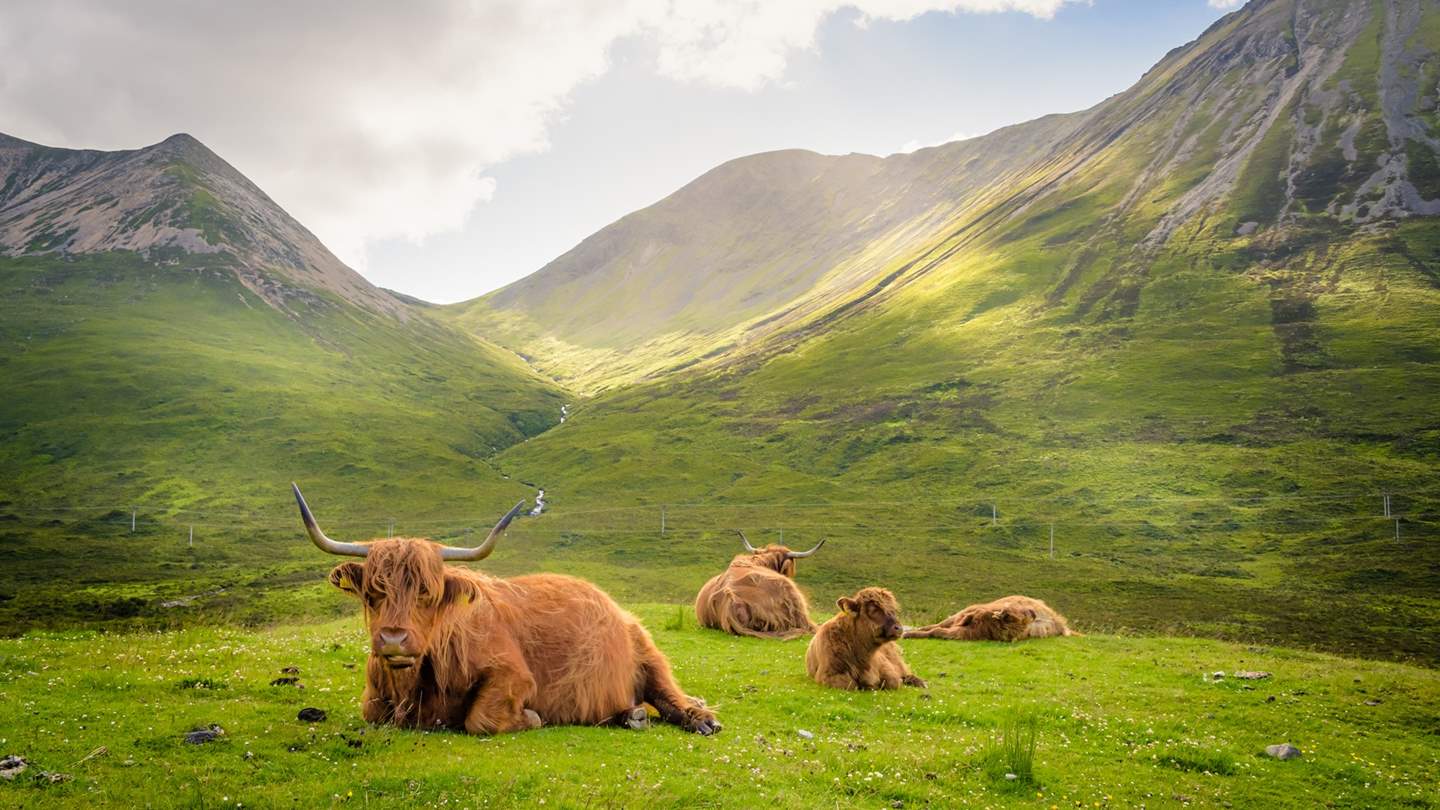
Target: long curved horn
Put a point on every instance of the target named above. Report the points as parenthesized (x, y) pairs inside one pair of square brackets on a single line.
[(746, 541), (795, 555), (318, 537), (483, 550)]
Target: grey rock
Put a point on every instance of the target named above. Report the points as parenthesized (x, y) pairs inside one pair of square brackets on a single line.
[(806, 734), (200, 736), (1282, 751), (11, 766)]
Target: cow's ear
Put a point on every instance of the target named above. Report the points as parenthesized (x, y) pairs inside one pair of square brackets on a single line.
[(460, 591), (967, 620), (846, 604), (348, 577), (1032, 613)]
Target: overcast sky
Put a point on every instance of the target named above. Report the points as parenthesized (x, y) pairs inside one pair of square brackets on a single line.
[(444, 149)]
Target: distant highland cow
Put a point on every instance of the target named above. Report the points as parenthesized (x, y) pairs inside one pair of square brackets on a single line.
[(453, 648), (757, 595), (1011, 618), (856, 649)]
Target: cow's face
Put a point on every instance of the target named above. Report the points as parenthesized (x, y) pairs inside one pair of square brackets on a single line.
[(405, 589), (875, 611)]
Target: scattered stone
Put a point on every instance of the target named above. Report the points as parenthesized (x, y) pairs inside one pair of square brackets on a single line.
[(806, 734), (11, 766), (311, 714), (1217, 676), (1270, 699), (200, 736), (931, 775), (1010, 777), (55, 778), (1182, 798), (348, 665), (1246, 228), (290, 670), (1373, 702), (1251, 675), (286, 681), (1282, 751), (897, 804)]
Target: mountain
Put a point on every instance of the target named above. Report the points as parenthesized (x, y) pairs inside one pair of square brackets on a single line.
[(174, 196), (1281, 115), (1191, 334), (745, 248), (174, 344)]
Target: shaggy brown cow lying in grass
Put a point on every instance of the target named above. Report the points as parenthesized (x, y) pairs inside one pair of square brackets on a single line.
[(1007, 619), (454, 648), (757, 595), (856, 649)]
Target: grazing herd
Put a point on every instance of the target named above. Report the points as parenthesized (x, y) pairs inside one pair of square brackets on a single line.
[(454, 648)]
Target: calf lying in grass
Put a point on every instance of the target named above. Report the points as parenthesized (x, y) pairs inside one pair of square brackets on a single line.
[(1010, 618), (856, 649)]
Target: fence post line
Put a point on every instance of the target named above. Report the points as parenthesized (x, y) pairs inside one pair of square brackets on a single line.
[(1052, 541), (994, 515), (392, 527), (132, 520), (662, 520), (1397, 530), (192, 535)]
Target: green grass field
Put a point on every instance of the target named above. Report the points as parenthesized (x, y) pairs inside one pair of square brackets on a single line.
[(1121, 722)]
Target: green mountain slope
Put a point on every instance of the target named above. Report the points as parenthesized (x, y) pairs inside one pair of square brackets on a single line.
[(1192, 339), (1338, 96), (146, 367)]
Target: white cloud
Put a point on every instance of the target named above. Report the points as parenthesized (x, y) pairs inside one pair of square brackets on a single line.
[(1224, 4), (376, 119)]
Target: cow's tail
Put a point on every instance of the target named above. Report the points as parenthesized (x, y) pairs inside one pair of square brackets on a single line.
[(928, 631)]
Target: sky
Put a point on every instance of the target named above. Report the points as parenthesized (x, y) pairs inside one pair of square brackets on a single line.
[(444, 148)]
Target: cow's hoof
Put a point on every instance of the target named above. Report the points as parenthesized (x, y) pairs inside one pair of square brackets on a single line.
[(635, 719), (707, 727), (532, 720)]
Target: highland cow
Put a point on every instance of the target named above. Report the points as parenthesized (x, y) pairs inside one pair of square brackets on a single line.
[(454, 648), (1011, 618), (856, 649), (757, 595)]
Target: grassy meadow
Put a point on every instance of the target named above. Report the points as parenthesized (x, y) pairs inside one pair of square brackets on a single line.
[(1119, 721)]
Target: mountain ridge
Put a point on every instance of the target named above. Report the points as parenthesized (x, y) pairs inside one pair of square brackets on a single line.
[(173, 195), (1211, 120)]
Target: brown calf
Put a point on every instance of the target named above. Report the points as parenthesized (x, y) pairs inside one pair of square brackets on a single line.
[(1010, 618), (856, 649)]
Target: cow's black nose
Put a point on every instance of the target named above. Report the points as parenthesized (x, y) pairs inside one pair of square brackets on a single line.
[(392, 637)]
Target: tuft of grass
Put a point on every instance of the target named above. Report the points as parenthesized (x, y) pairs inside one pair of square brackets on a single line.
[(1198, 760), (677, 621), (1009, 756)]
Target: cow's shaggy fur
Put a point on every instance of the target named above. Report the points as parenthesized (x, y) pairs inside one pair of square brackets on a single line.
[(1010, 618), (491, 655), (756, 596), (856, 649)]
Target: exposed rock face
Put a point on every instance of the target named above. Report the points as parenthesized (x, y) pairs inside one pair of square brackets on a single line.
[(176, 197)]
